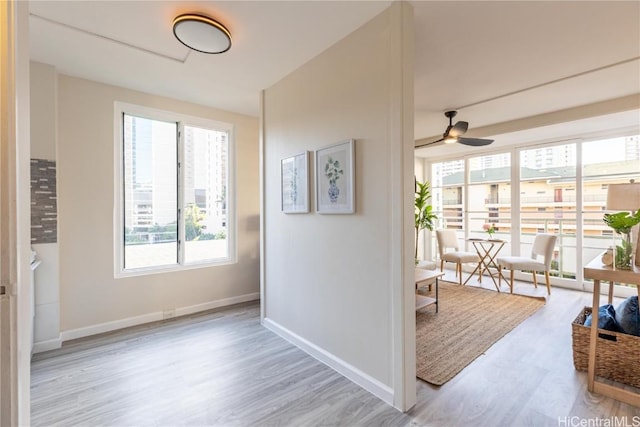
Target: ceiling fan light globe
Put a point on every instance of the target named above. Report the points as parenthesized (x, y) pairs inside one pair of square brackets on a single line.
[(450, 140)]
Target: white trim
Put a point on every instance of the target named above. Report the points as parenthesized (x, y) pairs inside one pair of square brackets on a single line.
[(42, 346), (254, 296), (263, 255), (113, 325), (365, 381)]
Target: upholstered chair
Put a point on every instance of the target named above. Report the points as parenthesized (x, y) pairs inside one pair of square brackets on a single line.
[(539, 261), (450, 251)]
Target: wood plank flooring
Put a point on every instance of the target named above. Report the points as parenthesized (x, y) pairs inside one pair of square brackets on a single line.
[(223, 368)]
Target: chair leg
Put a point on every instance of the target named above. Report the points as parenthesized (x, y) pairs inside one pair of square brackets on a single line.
[(460, 272), (546, 276), (442, 265), (499, 276), (511, 284), (535, 280)]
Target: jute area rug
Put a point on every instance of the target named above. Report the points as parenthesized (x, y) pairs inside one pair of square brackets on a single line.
[(468, 322)]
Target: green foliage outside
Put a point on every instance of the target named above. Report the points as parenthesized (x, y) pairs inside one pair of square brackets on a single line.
[(192, 219), (220, 235)]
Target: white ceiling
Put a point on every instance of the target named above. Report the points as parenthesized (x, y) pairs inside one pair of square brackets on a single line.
[(492, 61)]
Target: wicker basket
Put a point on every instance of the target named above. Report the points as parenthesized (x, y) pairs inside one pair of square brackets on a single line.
[(617, 354)]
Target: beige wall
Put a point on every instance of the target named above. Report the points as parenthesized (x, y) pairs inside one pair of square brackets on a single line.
[(44, 85), (91, 299), (336, 284)]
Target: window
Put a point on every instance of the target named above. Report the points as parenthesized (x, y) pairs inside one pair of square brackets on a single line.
[(562, 189), (546, 173), (447, 182), (607, 161), (489, 194), (174, 209)]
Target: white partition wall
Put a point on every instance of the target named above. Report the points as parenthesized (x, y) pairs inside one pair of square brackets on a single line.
[(341, 286)]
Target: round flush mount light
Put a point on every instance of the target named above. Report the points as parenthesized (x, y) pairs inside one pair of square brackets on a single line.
[(201, 33)]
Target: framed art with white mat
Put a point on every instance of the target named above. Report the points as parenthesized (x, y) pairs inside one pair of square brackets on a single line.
[(294, 183), (335, 178)]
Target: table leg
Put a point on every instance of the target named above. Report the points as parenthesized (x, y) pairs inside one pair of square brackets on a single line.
[(593, 335), (480, 263), (611, 284), (437, 295)]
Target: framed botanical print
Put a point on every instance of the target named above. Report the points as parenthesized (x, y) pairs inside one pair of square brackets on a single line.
[(335, 175), (294, 179)]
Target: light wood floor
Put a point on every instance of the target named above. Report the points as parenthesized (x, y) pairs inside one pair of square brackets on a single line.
[(224, 369)]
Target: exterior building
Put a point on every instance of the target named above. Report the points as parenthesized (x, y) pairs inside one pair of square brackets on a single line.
[(150, 152)]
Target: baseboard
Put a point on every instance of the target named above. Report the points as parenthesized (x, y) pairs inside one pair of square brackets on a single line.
[(217, 304), (365, 381), (101, 328), (42, 346)]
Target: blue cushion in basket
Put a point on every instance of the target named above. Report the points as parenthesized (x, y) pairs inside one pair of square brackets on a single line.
[(628, 316), (606, 319)]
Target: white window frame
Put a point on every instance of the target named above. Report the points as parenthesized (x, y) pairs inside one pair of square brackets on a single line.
[(181, 120)]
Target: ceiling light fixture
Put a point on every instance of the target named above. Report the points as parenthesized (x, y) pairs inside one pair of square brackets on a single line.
[(201, 33)]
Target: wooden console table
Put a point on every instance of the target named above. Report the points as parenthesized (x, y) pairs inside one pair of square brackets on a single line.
[(597, 271)]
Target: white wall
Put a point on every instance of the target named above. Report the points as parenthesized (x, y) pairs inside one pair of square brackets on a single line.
[(337, 285), (23, 222), (91, 299)]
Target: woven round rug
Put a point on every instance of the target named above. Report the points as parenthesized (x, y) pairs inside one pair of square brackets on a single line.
[(469, 321)]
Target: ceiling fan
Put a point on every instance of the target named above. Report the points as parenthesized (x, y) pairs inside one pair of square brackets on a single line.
[(454, 134)]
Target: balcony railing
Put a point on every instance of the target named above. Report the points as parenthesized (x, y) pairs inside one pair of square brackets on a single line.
[(596, 236), (589, 198)]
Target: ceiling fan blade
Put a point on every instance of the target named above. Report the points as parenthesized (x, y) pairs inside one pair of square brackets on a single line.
[(475, 142), (458, 129), (429, 143)]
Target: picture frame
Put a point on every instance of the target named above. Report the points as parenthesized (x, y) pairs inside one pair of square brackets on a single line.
[(294, 183), (335, 178)]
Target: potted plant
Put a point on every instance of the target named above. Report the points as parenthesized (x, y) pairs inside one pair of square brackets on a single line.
[(622, 223), (424, 216), (490, 229)]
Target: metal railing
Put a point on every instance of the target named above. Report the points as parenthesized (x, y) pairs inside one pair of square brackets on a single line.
[(596, 236)]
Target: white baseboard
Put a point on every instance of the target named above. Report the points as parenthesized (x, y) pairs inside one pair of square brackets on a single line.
[(100, 328), (41, 346), (365, 381), (217, 304)]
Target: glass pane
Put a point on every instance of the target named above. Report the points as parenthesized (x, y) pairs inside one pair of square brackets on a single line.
[(609, 161), (205, 194), (490, 196), (552, 162), (447, 179), (488, 169), (150, 193), (548, 202), (447, 173)]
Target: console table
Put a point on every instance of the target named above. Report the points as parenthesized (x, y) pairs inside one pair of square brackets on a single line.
[(597, 271)]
